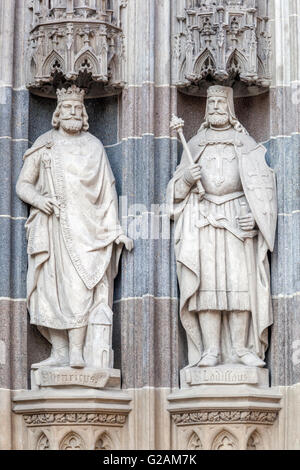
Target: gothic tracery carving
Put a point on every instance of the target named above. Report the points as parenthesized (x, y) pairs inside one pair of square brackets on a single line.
[(254, 441), (72, 441), (225, 441), (76, 41), (104, 442), (194, 442), (43, 442), (229, 39)]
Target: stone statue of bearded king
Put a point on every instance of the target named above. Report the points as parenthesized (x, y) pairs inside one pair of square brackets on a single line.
[(74, 235), (222, 239)]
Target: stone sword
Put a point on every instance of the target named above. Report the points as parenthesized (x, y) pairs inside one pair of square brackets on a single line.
[(177, 125), (251, 268)]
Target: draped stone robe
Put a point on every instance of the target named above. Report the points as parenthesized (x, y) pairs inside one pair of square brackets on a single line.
[(209, 246), (72, 260)]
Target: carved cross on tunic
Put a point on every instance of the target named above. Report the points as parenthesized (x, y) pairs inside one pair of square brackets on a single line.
[(218, 175)]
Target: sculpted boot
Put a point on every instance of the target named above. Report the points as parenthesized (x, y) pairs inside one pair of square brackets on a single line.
[(210, 358), (239, 326), (210, 323), (59, 353), (76, 341), (249, 358)]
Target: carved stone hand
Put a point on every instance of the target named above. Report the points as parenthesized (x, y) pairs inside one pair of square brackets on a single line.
[(127, 242), (247, 222), (46, 204), (192, 174)]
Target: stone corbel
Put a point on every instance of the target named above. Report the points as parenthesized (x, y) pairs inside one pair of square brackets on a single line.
[(221, 42), (71, 41)]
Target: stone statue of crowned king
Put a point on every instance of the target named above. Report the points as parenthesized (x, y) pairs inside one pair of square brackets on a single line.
[(74, 235)]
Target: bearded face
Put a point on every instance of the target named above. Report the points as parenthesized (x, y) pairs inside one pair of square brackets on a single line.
[(71, 116), (218, 112)]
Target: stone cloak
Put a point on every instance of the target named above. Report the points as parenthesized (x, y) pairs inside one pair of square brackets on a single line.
[(85, 188)]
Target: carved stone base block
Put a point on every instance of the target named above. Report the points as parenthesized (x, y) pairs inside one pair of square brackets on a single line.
[(71, 420), (224, 374), (217, 417), (70, 377)]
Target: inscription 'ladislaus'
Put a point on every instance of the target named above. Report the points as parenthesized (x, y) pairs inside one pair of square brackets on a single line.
[(222, 198)]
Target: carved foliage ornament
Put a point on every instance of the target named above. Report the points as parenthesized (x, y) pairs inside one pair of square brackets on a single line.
[(223, 40), (74, 418), (77, 41), (232, 416)]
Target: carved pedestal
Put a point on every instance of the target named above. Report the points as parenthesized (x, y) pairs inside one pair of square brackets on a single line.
[(229, 374), (224, 417), (68, 377), (71, 419)]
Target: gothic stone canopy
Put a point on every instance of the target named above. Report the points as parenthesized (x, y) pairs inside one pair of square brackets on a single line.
[(76, 41), (222, 41)]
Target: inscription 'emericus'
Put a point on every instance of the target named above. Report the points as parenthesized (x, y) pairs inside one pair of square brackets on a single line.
[(50, 377)]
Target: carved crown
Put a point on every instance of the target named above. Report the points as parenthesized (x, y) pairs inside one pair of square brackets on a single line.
[(72, 93), (217, 90)]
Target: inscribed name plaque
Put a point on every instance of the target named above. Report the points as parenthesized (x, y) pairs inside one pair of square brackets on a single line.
[(65, 377), (224, 375)]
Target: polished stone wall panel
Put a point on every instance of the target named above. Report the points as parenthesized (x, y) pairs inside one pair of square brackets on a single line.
[(284, 353), (283, 155), (151, 349), (13, 340), (11, 153), (144, 270), (13, 258), (148, 164), (13, 143), (14, 122)]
